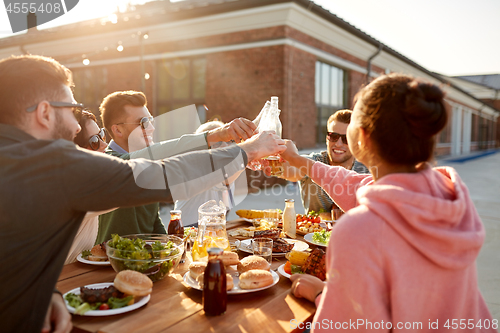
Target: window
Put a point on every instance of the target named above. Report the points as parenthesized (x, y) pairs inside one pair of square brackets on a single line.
[(180, 82), (90, 87), (329, 95), (443, 136), (473, 135)]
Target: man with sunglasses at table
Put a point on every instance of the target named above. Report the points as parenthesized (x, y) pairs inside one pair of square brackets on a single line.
[(337, 153), (48, 185), (128, 122)]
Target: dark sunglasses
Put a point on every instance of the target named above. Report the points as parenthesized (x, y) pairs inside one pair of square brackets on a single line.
[(334, 137), (94, 139), (77, 107), (144, 122)]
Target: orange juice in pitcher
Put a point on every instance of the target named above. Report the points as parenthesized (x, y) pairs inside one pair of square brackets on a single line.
[(211, 230)]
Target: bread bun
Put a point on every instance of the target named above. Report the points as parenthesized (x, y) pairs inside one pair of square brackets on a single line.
[(196, 268), (133, 283), (98, 253), (229, 281), (230, 258), (255, 278), (253, 262)]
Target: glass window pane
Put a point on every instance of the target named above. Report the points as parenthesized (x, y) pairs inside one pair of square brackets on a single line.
[(202, 113), (334, 87), (473, 128), (181, 75), (325, 84), (317, 88), (199, 70), (337, 87), (163, 109), (323, 115), (340, 88), (164, 81)]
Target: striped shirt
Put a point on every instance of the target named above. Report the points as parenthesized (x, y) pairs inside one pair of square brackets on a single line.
[(313, 196)]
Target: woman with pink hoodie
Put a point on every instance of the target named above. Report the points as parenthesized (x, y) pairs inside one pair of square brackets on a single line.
[(403, 257)]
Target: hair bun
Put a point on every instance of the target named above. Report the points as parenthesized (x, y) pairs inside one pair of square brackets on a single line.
[(425, 111)]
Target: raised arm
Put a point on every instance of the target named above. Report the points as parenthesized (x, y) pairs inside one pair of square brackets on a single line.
[(338, 182), (291, 173), (236, 130), (168, 148), (119, 183)]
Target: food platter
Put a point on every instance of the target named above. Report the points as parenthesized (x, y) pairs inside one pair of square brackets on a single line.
[(90, 262), (101, 313), (236, 289), (321, 224), (246, 246), (281, 270), (308, 238)]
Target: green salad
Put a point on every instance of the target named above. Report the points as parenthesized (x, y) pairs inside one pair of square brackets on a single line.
[(322, 237), (190, 232), (145, 257)]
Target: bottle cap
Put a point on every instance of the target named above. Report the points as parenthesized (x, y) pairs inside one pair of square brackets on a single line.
[(175, 212), (215, 251), (289, 200)]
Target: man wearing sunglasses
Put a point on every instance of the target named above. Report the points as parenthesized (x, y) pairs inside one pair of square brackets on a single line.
[(337, 153), (127, 120), (48, 185)]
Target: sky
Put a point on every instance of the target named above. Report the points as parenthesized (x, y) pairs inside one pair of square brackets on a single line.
[(451, 37)]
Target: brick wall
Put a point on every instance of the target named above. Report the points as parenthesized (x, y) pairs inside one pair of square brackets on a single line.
[(298, 110), (355, 81), (238, 83)]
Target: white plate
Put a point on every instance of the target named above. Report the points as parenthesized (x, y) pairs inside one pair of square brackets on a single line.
[(309, 238), (236, 289), (246, 246), (90, 262), (281, 270), (110, 312)]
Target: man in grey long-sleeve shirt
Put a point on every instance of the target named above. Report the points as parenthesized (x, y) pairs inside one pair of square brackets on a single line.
[(47, 185)]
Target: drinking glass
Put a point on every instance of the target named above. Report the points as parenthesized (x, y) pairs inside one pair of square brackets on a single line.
[(263, 247), (275, 166), (273, 215)]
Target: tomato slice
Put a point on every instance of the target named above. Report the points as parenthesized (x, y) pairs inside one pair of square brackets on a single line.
[(104, 306), (288, 267)]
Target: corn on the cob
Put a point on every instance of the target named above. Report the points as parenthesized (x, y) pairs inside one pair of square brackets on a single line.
[(297, 257)]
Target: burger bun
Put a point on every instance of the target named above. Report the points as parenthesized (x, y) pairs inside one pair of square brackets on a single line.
[(196, 268), (255, 278), (230, 258), (229, 281), (133, 283), (253, 262), (98, 253)]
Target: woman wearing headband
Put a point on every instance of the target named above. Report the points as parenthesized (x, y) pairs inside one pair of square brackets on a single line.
[(406, 251)]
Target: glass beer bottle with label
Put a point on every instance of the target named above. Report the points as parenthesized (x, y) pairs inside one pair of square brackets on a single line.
[(268, 120)]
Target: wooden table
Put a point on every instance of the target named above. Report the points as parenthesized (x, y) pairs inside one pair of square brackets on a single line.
[(175, 307)]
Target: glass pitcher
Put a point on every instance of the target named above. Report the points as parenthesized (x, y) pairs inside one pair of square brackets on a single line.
[(211, 229)]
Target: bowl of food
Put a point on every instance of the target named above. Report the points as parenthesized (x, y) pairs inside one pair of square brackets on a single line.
[(155, 255)]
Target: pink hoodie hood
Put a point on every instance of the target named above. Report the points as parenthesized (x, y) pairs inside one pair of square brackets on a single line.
[(432, 211)]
